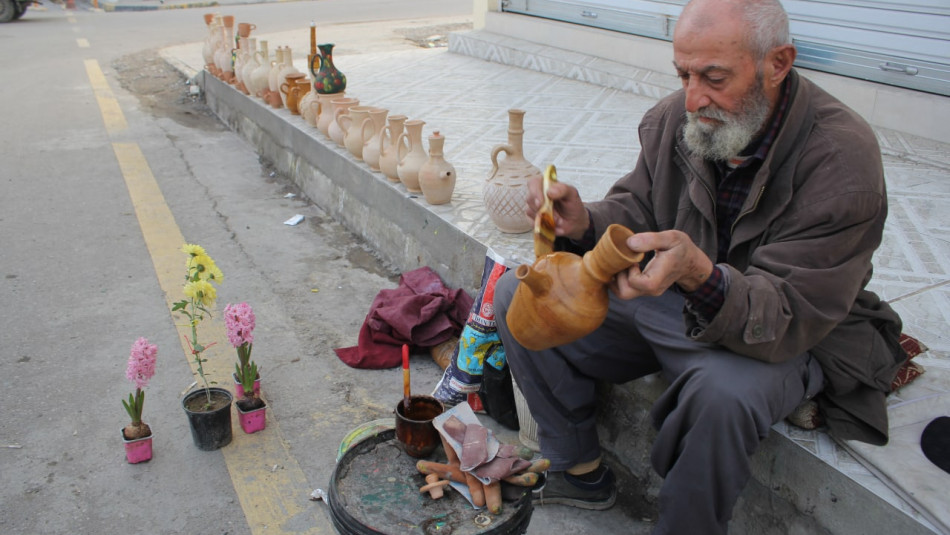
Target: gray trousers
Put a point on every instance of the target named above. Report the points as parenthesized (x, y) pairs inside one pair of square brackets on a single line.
[(717, 409)]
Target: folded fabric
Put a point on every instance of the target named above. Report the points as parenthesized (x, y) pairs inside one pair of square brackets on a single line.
[(421, 312)]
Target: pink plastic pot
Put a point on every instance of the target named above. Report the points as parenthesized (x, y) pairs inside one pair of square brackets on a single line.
[(138, 450), (254, 420), (239, 388)]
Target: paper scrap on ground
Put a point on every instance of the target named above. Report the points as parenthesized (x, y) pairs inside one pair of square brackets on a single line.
[(294, 220)]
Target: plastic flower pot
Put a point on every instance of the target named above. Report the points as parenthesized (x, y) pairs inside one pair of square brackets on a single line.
[(253, 420), (239, 388), (137, 450), (210, 426)]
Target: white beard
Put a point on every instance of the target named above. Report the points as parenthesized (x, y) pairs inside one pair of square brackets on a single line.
[(724, 140)]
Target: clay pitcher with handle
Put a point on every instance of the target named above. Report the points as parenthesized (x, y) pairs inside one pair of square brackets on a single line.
[(563, 296), (389, 148), (411, 155)]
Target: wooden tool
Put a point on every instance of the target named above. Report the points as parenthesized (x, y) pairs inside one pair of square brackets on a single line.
[(544, 220)]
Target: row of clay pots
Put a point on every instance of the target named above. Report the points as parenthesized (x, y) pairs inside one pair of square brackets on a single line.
[(391, 145)]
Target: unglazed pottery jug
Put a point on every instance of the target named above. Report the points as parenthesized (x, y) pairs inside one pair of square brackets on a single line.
[(258, 78), (287, 69), (389, 148), (372, 128), (411, 155), (323, 109), (437, 176), (352, 125), (307, 105), (273, 86), (341, 106), (327, 79), (506, 191), (563, 296), (292, 89)]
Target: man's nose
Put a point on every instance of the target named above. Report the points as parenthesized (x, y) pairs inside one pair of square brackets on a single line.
[(696, 95)]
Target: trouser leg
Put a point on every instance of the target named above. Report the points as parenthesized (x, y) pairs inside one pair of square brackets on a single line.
[(719, 405), (711, 419)]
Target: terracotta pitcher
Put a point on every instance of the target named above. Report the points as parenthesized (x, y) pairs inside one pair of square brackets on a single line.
[(437, 176), (411, 155), (389, 148), (371, 130), (288, 68), (563, 296), (258, 78), (506, 191), (352, 125), (323, 109), (341, 106), (292, 91)]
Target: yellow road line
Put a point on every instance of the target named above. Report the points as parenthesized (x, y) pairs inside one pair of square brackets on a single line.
[(82, 42), (112, 114), (269, 483)]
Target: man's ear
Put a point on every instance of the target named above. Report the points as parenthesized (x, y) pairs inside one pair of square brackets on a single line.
[(778, 63)]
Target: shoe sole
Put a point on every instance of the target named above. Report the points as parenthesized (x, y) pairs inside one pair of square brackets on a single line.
[(574, 502)]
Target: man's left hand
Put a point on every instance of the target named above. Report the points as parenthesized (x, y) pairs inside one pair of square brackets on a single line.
[(677, 261)]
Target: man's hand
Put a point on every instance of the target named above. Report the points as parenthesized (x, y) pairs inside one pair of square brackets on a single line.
[(570, 215), (677, 261)]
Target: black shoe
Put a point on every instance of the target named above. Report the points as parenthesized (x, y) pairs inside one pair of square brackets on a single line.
[(596, 491)]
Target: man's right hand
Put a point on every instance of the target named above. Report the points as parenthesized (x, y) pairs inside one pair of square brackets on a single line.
[(570, 216)]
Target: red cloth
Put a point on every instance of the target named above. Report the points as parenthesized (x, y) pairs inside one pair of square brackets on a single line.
[(420, 312)]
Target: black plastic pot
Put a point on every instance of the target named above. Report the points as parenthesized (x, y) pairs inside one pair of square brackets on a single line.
[(210, 429)]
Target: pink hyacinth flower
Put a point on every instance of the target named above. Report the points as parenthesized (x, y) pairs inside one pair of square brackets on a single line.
[(239, 321), (141, 365)]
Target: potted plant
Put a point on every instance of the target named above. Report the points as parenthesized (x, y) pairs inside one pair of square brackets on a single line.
[(208, 409), (138, 435), (239, 321)]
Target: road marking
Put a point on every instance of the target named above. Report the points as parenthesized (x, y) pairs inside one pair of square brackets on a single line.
[(72, 20), (109, 108), (270, 485), (82, 42)]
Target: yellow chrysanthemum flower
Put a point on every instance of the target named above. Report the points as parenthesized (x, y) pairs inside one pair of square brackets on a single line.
[(201, 291), (214, 274), (192, 249), (200, 263)]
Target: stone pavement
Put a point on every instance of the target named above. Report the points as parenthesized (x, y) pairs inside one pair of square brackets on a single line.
[(582, 116)]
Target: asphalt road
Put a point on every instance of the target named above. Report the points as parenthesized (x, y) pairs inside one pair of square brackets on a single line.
[(78, 284)]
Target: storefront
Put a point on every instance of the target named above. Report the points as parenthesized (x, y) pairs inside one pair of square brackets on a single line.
[(904, 44)]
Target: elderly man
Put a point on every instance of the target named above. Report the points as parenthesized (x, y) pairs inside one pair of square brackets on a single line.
[(760, 200)]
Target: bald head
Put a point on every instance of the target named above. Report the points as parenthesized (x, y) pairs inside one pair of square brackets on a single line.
[(760, 24)]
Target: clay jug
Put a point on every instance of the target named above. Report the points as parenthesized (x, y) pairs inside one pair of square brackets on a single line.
[(352, 125), (288, 68), (372, 127), (245, 28), (506, 191), (214, 23), (290, 91), (306, 105), (250, 62), (259, 74), (272, 84), (323, 109), (563, 296), (388, 147), (437, 176), (327, 79), (341, 106), (411, 155), (222, 57)]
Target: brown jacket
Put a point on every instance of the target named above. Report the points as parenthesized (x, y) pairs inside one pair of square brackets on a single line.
[(801, 248)]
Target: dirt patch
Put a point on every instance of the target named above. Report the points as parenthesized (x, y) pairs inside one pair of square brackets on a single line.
[(163, 91), (432, 36)]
